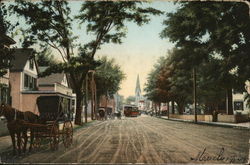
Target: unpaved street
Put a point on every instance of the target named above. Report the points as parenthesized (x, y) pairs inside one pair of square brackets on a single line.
[(149, 140)]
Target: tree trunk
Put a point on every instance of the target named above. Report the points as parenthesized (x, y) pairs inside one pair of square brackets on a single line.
[(92, 107), (106, 107), (92, 98), (215, 114), (172, 103), (86, 99), (97, 104), (155, 109), (229, 102), (180, 108), (194, 93), (79, 102), (159, 112), (168, 109), (95, 101)]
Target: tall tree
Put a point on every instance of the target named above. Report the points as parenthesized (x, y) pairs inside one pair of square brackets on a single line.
[(108, 78), (175, 78), (50, 24), (218, 32), (106, 20), (153, 88)]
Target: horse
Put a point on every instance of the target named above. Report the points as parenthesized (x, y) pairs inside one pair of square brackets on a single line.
[(101, 114), (16, 125), (118, 115)]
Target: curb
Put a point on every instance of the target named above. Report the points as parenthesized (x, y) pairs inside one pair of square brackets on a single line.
[(207, 123)]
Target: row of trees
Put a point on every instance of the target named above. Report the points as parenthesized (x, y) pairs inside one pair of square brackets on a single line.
[(211, 39), (49, 26), (107, 76)]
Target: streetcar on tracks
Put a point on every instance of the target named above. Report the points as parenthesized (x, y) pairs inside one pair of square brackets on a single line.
[(131, 111)]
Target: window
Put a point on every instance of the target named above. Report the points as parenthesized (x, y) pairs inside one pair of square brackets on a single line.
[(29, 82), (73, 102), (26, 81), (238, 105), (31, 61), (237, 91), (4, 94)]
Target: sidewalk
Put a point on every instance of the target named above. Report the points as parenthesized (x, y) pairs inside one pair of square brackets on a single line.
[(245, 125)]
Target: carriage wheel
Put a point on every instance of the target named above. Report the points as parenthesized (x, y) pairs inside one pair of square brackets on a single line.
[(67, 134), (54, 136), (37, 143)]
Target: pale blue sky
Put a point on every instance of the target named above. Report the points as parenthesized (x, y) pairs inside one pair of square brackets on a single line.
[(139, 50)]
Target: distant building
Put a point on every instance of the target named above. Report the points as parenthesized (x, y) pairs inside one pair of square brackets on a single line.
[(137, 92), (239, 103), (108, 103), (140, 101), (118, 104)]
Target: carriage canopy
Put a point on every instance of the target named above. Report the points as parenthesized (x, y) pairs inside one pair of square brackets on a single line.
[(54, 108)]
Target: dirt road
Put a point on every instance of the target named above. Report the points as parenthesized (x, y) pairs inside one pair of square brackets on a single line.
[(149, 140)]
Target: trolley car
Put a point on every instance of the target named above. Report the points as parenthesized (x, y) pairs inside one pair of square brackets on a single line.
[(130, 110)]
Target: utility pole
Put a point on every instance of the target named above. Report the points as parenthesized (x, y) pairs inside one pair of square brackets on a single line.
[(106, 106), (93, 116), (86, 99), (168, 109), (172, 107), (194, 91), (95, 101)]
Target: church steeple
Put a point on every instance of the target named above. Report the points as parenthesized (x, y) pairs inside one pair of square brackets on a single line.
[(137, 91), (137, 88)]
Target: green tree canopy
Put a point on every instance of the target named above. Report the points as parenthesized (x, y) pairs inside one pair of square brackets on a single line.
[(108, 77), (220, 38), (45, 58), (50, 25), (5, 28)]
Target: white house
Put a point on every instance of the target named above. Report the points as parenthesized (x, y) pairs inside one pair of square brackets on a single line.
[(239, 104)]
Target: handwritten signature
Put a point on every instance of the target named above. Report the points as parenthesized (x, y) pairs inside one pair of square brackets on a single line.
[(205, 156)]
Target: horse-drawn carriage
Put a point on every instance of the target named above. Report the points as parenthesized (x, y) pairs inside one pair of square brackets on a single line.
[(101, 113), (51, 126), (54, 121)]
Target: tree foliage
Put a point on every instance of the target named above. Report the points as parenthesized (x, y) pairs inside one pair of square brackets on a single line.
[(106, 20), (171, 80), (108, 77), (45, 58), (152, 89), (50, 24), (5, 28), (215, 45), (223, 30)]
